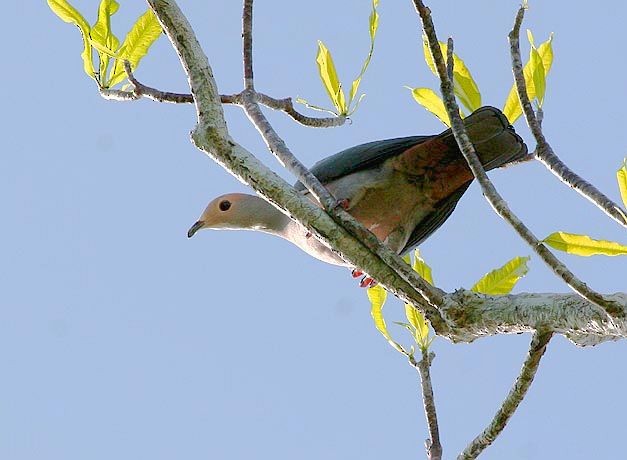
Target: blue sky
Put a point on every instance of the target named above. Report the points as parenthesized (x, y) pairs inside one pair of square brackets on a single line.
[(120, 338)]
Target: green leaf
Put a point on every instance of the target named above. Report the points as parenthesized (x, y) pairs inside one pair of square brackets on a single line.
[(502, 280), (422, 268), (583, 245), (69, 14), (464, 85), (328, 75), (512, 108), (377, 296), (427, 98), (621, 177), (138, 41), (373, 26), (538, 75), (546, 53), (102, 35), (420, 325)]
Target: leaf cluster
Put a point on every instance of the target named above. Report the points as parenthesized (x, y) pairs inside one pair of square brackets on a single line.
[(111, 54)]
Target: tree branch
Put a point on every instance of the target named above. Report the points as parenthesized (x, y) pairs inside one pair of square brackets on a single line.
[(568, 314), (285, 105), (544, 151), (433, 445), (537, 348), (488, 189), (247, 37)]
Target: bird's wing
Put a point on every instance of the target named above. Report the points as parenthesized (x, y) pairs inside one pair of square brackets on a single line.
[(433, 221), (361, 157)]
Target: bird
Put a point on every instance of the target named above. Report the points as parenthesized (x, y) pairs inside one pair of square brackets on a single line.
[(401, 189)]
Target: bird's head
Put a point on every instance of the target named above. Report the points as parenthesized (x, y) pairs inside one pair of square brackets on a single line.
[(235, 211)]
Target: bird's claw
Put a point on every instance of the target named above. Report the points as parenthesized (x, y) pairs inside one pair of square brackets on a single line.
[(366, 281), (344, 203)]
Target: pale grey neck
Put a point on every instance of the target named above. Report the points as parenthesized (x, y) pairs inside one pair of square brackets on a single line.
[(262, 216)]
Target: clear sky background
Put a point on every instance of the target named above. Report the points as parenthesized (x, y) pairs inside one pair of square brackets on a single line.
[(122, 339)]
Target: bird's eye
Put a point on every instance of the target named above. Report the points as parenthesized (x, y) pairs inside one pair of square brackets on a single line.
[(224, 205)]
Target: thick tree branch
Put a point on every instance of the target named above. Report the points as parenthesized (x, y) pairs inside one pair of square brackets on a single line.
[(488, 189), (544, 151), (433, 444), (537, 348), (568, 314)]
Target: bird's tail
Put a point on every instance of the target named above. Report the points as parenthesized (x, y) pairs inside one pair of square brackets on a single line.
[(495, 140)]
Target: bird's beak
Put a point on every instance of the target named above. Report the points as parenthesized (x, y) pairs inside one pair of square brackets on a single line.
[(197, 226)]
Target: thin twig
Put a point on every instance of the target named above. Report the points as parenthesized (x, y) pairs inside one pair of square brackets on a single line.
[(285, 105), (544, 151), (450, 67), (433, 445), (517, 393), (247, 37), (488, 189)]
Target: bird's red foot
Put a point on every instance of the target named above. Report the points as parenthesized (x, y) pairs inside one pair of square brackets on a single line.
[(344, 203), (367, 282)]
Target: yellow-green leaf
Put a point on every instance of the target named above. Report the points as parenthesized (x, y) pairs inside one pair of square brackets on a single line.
[(69, 14), (101, 31), (502, 280), (417, 320), (377, 296), (512, 108), (621, 177), (422, 268), (546, 53), (537, 75), (427, 98), (373, 25), (328, 75), (138, 41), (464, 85), (583, 245), (102, 35)]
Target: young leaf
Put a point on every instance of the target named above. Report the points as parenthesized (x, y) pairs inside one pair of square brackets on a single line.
[(71, 15), (377, 296), (420, 325), (583, 245), (464, 85), (502, 280), (512, 108), (373, 26), (538, 75), (138, 41), (427, 98), (421, 267), (621, 177), (101, 33), (328, 75)]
